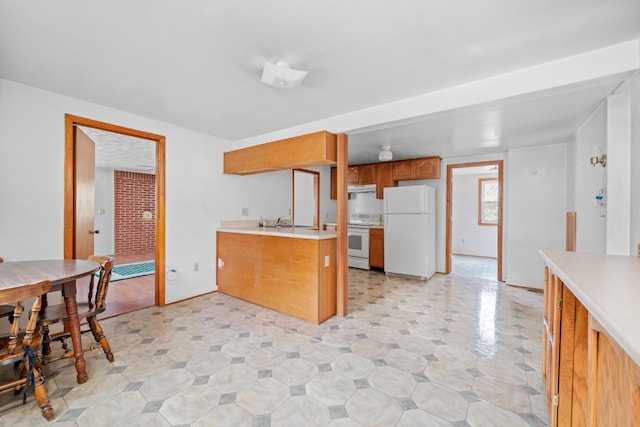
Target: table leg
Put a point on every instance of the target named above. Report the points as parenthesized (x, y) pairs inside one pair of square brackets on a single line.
[(74, 330)]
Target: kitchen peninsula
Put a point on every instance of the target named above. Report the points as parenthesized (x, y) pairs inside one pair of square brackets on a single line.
[(591, 356), (287, 269)]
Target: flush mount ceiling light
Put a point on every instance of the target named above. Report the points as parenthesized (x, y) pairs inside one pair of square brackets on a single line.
[(385, 155), (281, 74)]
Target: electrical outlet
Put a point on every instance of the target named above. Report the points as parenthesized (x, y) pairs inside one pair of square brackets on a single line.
[(196, 266), (245, 211), (102, 211), (289, 211), (326, 260)]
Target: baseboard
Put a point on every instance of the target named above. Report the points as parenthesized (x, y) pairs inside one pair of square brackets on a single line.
[(527, 288)]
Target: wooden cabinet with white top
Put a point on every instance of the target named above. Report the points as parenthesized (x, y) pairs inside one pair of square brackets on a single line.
[(376, 247), (591, 344)]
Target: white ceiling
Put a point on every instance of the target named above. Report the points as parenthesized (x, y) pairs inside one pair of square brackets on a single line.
[(122, 152), (198, 63)]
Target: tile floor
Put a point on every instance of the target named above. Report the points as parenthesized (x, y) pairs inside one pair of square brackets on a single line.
[(452, 351), (474, 266)]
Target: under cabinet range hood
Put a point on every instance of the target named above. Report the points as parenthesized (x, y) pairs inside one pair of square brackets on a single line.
[(369, 188)]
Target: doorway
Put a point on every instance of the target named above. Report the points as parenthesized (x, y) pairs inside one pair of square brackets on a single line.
[(477, 225), (73, 205)]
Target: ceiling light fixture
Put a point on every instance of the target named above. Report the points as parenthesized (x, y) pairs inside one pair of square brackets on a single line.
[(385, 155), (281, 74)]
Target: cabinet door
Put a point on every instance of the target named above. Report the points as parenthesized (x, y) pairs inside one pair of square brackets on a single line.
[(427, 168), (551, 341), (334, 184), (404, 169), (376, 247), (384, 178), (614, 383), (366, 174), (352, 175)]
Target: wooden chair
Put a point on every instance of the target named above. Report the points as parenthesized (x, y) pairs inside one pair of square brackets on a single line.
[(23, 346), (6, 310), (89, 310)]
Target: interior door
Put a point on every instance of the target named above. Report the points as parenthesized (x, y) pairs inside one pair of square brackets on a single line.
[(84, 198)]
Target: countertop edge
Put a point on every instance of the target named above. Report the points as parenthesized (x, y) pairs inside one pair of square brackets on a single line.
[(295, 233), (606, 316)]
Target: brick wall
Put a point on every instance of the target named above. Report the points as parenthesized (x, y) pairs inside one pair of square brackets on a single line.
[(134, 193)]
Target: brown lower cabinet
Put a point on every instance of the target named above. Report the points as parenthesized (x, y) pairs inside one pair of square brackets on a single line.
[(589, 380), (376, 247), (294, 276)]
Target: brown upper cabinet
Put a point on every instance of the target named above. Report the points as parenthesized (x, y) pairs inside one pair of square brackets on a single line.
[(366, 174), (361, 175), (352, 175), (384, 178), (314, 149), (387, 173), (422, 168)]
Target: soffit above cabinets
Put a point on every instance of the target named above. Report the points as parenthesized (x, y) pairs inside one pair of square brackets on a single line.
[(314, 149)]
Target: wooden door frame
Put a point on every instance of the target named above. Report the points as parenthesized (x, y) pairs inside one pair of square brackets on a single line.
[(316, 195), (70, 122), (450, 168)]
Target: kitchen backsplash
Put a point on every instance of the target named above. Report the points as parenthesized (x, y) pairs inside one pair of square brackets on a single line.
[(365, 203)]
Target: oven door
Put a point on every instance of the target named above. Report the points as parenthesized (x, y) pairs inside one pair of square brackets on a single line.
[(358, 238)]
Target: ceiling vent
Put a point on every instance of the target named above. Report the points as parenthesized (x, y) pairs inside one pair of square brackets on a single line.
[(281, 74), (385, 155)]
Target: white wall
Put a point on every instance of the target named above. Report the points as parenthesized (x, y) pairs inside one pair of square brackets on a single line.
[(467, 237), (619, 172), (635, 164), (104, 242), (304, 198), (198, 194), (591, 222), (269, 195), (536, 210)]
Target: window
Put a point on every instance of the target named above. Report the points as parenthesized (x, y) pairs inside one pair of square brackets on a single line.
[(488, 193)]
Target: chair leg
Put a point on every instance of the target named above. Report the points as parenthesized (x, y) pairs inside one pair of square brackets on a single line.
[(98, 335), (41, 396), (46, 340)]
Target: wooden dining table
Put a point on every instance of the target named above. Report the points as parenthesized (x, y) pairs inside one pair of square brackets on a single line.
[(63, 275)]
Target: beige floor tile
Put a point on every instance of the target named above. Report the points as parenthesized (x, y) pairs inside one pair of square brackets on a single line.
[(188, 405), (440, 401), (373, 408), (262, 396), (330, 388), (230, 415), (409, 353), (352, 365), (484, 414), (392, 381), (295, 371), (301, 411)]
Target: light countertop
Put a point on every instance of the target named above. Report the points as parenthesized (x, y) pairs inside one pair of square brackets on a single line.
[(609, 288), (294, 232)]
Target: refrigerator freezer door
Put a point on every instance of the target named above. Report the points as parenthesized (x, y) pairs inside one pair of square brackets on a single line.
[(406, 200), (405, 240)]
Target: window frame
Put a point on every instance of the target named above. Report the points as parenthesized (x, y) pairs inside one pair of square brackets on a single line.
[(481, 201)]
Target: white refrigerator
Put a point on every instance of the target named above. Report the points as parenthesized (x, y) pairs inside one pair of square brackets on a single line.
[(410, 230)]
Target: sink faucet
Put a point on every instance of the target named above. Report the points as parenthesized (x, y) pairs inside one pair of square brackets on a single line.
[(277, 224)]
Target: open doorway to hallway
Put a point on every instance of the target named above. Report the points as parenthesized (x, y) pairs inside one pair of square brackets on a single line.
[(125, 204), (474, 220)]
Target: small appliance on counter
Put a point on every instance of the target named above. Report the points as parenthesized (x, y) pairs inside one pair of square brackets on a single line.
[(410, 230)]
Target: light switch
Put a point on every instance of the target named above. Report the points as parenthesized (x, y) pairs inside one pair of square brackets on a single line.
[(326, 260)]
